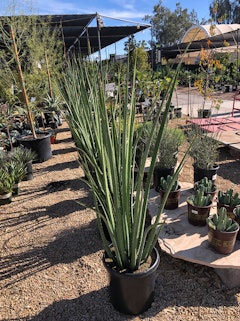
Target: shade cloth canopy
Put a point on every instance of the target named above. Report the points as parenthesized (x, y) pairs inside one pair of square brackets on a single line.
[(78, 35), (198, 37)]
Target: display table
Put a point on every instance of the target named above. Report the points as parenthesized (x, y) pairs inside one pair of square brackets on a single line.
[(190, 243)]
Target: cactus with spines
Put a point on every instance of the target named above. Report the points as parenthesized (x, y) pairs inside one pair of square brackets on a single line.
[(222, 222), (209, 186), (164, 183), (229, 197), (199, 198)]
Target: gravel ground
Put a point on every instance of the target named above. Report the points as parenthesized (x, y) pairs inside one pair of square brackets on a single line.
[(51, 252)]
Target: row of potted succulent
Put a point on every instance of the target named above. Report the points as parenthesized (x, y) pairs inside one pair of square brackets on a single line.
[(223, 227), (199, 204), (15, 166)]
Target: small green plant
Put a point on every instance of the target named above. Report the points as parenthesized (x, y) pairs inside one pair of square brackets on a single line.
[(17, 170), (229, 197), (6, 181), (24, 155), (204, 150), (207, 184), (222, 222), (164, 183), (172, 139), (199, 198)]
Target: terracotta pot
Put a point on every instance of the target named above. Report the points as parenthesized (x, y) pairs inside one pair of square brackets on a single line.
[(53, 139), (172, 200), (222, 242), (197, 214)]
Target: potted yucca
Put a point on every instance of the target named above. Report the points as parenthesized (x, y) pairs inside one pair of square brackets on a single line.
[(107, 143)]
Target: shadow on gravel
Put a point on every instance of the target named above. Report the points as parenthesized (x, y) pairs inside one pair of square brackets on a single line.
[(68, 246), (170, 295), (229, 166), (64, 151)]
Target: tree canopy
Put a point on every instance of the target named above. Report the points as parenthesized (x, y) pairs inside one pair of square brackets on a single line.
[(169, 27), (225, 11)]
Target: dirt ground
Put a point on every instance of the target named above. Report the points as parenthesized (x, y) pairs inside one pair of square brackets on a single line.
[(51, 252)]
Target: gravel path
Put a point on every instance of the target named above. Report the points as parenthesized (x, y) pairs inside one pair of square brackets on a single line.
[(51, 269)]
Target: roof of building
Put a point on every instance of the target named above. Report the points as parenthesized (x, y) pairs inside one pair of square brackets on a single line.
[(205, 36)]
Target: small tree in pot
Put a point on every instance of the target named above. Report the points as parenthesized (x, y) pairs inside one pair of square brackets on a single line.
[(205, 152), (21, 36), (166, 162)]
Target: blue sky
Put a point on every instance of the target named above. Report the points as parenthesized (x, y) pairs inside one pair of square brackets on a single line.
[(129, 10)]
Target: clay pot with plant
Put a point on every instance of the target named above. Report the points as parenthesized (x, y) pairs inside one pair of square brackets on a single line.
[(173, 198), (208, 186), (228, 199), (222, 231), (198, 206)]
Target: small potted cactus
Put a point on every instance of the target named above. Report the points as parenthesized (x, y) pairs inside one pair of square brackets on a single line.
[(229, 199), (173, 199), (199, 206), (209, 186), (236, 213), (222, 231)]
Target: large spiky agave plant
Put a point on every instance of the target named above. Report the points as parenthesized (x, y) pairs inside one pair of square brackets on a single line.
[(107, 148)]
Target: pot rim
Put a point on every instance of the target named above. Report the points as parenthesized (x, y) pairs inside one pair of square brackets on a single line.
[(134, 274)]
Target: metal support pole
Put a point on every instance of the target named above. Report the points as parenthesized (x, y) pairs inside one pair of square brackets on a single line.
[(237, 60), (99, 26)]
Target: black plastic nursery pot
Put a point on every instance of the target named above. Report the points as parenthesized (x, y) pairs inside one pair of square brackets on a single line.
[(132, 293), (204, 113), (40, 145), (200, 173), (161, 172)]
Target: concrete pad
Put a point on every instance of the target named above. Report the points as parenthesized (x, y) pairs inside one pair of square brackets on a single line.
[(190, 243), (229, 137)]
